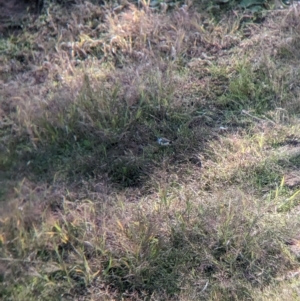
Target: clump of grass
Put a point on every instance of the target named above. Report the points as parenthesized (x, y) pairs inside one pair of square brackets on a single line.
[(228, 252), (228, 245), (172, 230), (249, 88), (96, 130)]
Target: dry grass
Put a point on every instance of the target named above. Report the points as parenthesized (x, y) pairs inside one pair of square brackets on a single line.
[(94, 209)]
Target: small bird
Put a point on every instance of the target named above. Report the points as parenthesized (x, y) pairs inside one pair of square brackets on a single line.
[(164, 141)]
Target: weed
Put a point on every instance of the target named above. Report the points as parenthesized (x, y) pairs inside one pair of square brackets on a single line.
[(249, 88)]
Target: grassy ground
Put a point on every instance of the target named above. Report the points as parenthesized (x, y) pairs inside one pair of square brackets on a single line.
[(93, 208)]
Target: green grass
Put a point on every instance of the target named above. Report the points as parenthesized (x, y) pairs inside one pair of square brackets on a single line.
[(93, 208)]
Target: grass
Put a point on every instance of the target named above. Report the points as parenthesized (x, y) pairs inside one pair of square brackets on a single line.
[(93, 208)]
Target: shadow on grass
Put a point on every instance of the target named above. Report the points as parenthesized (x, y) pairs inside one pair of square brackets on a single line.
[(97, 131), (100, 127)]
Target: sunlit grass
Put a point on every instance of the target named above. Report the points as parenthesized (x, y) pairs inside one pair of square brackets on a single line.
[(92, 207)]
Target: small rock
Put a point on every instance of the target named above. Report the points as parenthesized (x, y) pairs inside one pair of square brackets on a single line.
[(164, 141)]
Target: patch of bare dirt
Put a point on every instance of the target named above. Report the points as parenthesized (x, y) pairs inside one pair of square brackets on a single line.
[(292, 179)]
